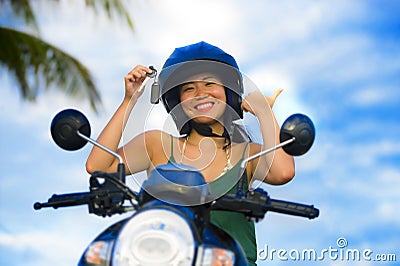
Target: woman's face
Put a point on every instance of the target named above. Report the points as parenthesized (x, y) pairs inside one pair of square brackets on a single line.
[(203, 98)]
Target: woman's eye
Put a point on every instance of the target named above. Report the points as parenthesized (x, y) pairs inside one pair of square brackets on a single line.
[(186, 89)]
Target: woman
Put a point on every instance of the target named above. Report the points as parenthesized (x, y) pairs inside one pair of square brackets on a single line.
[(202, 89)]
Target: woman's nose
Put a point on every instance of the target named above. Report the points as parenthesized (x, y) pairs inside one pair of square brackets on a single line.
[(201, 90)]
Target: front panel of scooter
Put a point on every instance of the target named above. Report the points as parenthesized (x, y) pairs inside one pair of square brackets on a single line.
[(161, 236), (176, 184)]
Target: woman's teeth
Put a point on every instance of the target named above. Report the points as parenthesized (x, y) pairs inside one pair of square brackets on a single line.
[(203, 106)]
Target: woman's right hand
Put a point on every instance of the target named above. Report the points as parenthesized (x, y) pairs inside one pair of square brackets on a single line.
[(133, 80)]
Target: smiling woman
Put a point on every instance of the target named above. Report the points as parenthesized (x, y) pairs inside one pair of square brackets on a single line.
[(202, 89), (203, 99), (328, 55)]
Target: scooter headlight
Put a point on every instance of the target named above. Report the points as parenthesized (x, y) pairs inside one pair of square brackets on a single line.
[(155, 237)]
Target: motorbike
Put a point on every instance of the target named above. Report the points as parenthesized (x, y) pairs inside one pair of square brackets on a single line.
[(165, 228)]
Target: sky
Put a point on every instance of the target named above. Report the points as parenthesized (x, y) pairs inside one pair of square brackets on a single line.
[(337, 61)]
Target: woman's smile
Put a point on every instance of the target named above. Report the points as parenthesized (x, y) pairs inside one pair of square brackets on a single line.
[(206, 110), (204, 107), (203, 98)]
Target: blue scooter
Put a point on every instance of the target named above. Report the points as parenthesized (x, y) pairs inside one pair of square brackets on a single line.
[(170, 225)]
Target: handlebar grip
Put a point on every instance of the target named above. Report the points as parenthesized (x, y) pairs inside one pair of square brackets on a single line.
[(64, 200), (293, 208)]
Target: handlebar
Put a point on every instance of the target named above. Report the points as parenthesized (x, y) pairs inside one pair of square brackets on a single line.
[(293, 208), (104, 198), (107, 198), (100, 202), (257, 202), (64, 200)]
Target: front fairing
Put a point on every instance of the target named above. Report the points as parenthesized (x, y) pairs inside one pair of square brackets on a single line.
[(102, 250), (173, 214), (99, 251), (214, 236), (108, 239)]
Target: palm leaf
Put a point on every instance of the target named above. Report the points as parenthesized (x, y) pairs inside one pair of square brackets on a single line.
[(26, 56), (21, 9), (33, 62), (113, 8)]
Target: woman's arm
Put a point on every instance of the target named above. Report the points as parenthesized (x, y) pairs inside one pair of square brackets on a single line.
[(277, 167), (99, 160)]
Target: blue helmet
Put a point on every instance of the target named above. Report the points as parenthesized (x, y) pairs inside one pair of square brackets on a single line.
[(200, 51), (197, 58)]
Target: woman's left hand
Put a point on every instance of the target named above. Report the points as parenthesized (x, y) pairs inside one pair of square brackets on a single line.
[(253, 99)]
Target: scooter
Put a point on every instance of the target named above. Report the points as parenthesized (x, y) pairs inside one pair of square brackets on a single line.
[(170, 224)]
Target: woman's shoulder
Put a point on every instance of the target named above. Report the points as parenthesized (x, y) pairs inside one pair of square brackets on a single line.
[(246, 149), (161, 144), (155, 134), (161, 137), (245, 146)]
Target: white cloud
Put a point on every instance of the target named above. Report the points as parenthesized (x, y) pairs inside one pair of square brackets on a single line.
[(377, 95), (54, 243)]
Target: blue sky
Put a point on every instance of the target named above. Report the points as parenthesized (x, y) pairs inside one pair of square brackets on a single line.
[(338, 62)]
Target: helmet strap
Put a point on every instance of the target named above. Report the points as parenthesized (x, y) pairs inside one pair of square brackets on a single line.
[(206, 131)]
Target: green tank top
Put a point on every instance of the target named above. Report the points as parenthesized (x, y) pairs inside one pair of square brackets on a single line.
[(235, 224)]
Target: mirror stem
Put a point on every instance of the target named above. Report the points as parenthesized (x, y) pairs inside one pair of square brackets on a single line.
[(104, 148), (286, 142)]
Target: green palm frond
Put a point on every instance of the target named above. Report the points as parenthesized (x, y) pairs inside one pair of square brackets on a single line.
[(21, 9), (36, 64), (113, 8), (26, 56)]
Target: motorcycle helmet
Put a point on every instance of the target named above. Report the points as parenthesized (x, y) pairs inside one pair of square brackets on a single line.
[(186, 62)]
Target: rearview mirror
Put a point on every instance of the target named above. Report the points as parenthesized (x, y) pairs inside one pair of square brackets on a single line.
[(64, 129), (302, 129)]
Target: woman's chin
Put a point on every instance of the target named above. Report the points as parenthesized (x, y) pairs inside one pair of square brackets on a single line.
[(204, 120)]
